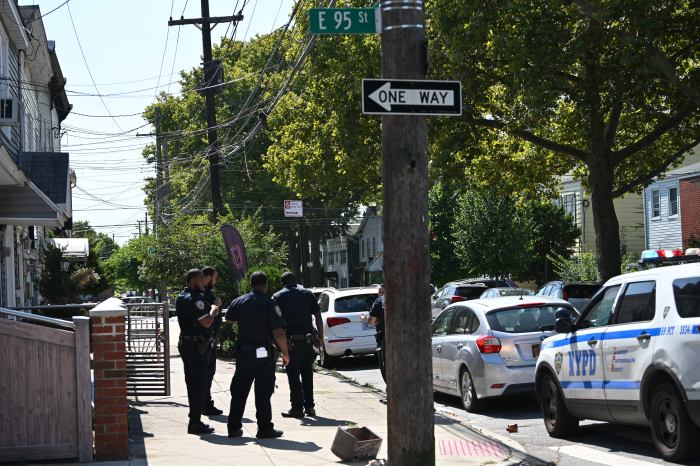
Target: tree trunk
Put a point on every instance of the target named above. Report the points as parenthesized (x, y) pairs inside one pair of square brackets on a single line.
[(605, 224), (316, 272)]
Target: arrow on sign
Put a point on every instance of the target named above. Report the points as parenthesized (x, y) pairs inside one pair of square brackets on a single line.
[(385, 97)]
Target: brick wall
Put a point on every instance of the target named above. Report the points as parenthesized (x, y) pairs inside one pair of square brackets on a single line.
[(109, 365), (690, 209)]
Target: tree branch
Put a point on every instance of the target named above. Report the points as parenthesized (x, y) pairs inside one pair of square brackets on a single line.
[(664, 127), (613, 122), (537, 140), (626, 188)]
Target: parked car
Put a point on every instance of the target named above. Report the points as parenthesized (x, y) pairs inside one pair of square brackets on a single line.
[(579, 294), (488, 347), (501, 292), (632, 358), (344, 333), (463, 290), (317, 290), (137, 300)]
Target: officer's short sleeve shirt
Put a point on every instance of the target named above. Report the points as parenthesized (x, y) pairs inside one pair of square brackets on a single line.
[(297, 305), (191, 307), (377, 311), (257, 316)]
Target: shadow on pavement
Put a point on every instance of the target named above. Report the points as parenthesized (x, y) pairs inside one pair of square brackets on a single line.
[(137, 446), (511, 408), (357, 363), (323, 422)]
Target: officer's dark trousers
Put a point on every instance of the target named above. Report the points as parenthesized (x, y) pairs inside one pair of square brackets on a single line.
[(381, 354), (209, 402), (249, 369), (300, 374), (196, 376)]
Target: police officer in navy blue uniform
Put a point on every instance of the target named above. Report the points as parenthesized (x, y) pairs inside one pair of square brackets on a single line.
[(376, 318), (195, 315), (259, 321), (298, 306), (210, 278)]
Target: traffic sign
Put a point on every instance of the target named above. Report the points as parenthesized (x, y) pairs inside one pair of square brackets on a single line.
[(344, 21), (406, 97), (293, 208)]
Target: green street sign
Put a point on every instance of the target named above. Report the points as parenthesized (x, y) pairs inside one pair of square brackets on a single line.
[(344, 20)]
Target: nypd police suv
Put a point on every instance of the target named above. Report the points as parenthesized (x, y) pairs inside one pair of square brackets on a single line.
[(633, 356)]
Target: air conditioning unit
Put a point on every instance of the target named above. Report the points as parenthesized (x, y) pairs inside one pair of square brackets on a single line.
[(8, 112)]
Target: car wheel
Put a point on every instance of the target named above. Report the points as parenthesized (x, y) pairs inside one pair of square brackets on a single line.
[(470, 401), (557, 419), (327, 361), (672, 429)]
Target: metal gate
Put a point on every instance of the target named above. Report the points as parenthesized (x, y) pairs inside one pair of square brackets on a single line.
[(147, 349)]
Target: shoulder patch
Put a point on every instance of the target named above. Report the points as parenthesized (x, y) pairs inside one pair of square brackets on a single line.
[(200, 305)]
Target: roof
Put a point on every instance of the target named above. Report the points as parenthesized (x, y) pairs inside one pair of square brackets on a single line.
[(505, 302), (684, 172), (353, 291), (76, 249)]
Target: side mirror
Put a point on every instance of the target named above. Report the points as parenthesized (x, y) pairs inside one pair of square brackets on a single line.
[(563, 325)]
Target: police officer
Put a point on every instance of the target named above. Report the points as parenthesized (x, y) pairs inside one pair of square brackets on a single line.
[(298, 305), (376, 319), (195, 316), (210, 278), (259, 320)]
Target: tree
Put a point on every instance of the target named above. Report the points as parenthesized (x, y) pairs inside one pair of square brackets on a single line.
[(123, 267), (101, 247), (490, 235), (57, 286), (608, 90), (443, 203), (551, 232)]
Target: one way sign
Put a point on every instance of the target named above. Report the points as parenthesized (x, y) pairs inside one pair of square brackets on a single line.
[(405, 97)]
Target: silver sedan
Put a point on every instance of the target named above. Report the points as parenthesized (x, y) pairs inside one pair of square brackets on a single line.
[(488, 347)]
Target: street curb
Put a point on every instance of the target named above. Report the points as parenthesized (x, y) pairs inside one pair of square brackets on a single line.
[(518, 454)]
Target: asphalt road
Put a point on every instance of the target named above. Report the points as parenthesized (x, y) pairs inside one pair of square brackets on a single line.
[(597, 442)]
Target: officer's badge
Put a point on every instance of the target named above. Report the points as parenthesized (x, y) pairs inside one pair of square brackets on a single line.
[(200, 305), (558, 358), (278, 311)]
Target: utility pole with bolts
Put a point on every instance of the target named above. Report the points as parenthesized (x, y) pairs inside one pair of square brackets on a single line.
[(411, 436), (211, 69), (159, 174)]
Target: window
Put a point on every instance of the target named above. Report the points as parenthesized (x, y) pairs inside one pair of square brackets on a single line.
[(362, 249), (672, 202), (374, 247), (357, 303), (343, 282), (331, 257), (601, 308), (464, 323), (568, 202), (686, 292), (655, 203), (442, 323), (343, 257), (5, 72), (525, 320), (638, 304)]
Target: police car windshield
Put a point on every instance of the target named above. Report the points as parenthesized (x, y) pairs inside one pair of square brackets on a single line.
[(524, 320), (357, 303)]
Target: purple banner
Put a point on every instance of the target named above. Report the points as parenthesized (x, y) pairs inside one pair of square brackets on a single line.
[(237, 259)]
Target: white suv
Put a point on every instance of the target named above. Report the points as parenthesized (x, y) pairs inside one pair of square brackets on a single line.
[(344, 332), (633, 356)]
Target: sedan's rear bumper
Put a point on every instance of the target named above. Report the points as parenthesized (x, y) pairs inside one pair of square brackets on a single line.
[(497, 379), (340, 346)]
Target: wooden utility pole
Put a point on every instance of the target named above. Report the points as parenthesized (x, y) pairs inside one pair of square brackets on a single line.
[(211, 69), (410, 416), (159, 174)]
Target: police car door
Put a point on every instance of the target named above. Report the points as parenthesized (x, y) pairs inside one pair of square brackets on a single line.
[(628, 348), (582, 375)]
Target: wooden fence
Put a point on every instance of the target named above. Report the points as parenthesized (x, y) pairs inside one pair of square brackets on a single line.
[(45, 388)]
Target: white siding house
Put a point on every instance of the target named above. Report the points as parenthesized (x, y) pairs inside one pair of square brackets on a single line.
[(662, 215)]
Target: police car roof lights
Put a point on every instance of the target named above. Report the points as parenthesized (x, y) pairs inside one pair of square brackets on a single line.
[(653, 257)]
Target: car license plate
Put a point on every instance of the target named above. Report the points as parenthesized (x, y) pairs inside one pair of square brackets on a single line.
[(536, 351), (366, 326)]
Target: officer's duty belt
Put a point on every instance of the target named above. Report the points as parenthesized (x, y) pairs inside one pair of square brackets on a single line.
[(189, 337)]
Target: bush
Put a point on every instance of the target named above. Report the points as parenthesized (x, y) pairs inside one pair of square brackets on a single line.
[(228, 336)]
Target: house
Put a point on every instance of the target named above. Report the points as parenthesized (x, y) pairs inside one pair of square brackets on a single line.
[(35, 177), (369, 235), (574, 198), (340, 257), (672, 209)]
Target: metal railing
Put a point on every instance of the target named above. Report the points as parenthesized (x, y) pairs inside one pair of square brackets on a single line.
[(38, 318)]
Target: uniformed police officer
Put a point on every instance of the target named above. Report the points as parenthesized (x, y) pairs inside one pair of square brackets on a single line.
[(298, 305), (376, 319), (210, 278), (195, 316), (259, 321)]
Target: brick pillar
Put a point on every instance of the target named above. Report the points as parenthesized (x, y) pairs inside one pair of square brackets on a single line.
[(109, 366), (690, 209)]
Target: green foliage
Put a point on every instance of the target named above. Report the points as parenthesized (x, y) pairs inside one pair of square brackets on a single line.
[(101, 247), (490, 235), (274, 278), (122, 267), (228, 336), (581, 268), (693, 242), (442, 206), (57, 286)]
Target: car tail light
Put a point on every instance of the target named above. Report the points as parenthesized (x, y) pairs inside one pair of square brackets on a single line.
[(565, 295), (456, 299), (333, 321), (489, 345)]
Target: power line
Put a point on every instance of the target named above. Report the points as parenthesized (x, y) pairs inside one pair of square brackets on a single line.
[(82, 52), (46, 14)]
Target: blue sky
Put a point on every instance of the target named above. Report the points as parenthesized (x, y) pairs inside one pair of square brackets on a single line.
[(123, 42)]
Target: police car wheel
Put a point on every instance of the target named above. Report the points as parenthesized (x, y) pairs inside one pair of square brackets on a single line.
[(672, 429), (557, 419), (469, 399)]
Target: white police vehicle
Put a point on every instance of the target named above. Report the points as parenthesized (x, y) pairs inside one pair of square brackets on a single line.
[(633, 357)]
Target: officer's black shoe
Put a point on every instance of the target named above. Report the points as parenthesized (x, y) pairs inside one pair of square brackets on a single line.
[(199, 429), (310, 412), (270, 434), (212, 411), (236, 433), (296, 414)]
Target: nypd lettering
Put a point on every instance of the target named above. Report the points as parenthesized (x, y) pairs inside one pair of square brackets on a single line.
[(582, 363)]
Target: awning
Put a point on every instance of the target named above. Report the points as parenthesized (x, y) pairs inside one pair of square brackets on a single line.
[(28, 205), (74, 249), (376, 264)]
